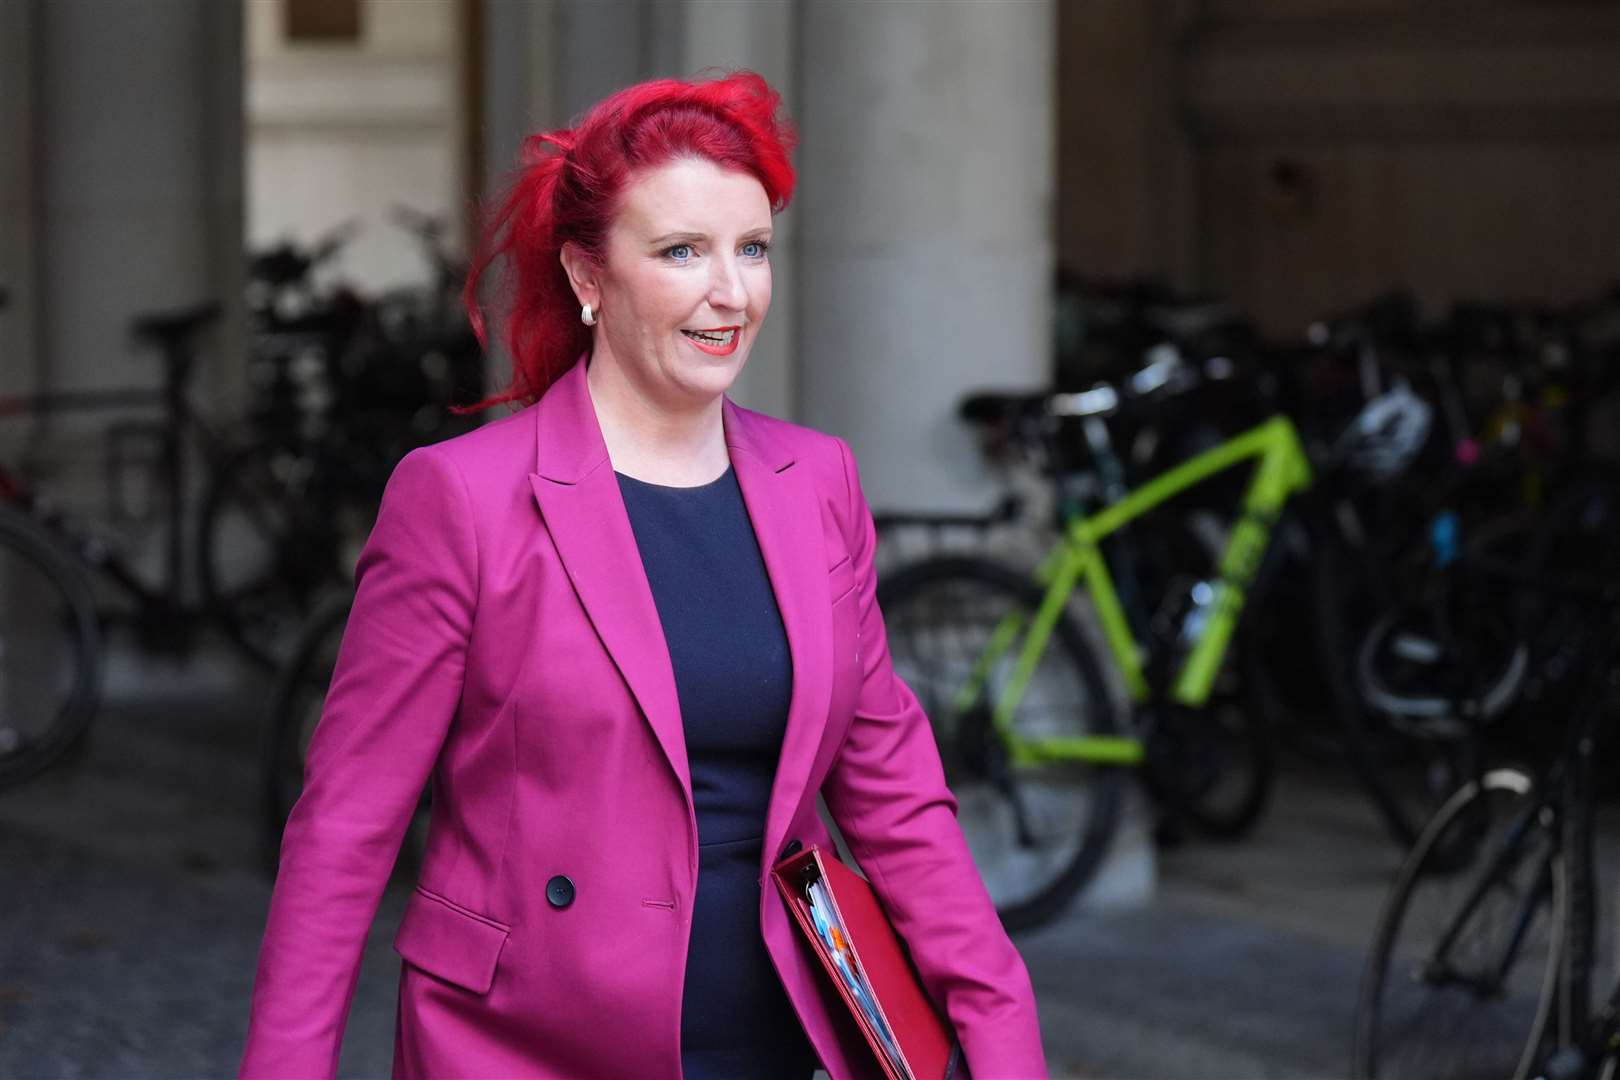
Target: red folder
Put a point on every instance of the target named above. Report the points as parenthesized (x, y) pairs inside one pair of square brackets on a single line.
[(927, 1048)]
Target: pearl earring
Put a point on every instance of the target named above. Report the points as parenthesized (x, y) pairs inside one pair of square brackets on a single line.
[(587, 316)]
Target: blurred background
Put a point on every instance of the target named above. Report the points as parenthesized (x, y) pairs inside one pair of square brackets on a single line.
[(1316, 778)]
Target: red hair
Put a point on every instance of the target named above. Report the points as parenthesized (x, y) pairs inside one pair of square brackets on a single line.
[(567, 189)]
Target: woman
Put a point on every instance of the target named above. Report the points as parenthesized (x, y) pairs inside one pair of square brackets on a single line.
[(630, 631)]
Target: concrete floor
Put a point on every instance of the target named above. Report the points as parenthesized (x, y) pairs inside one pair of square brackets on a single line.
[(131, 910)]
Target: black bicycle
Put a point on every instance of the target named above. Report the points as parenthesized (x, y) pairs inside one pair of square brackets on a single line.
[(1483, 959), (50, 624), (50, 652)]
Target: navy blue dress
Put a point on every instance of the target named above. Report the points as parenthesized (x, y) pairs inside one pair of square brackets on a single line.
[(734, 679)]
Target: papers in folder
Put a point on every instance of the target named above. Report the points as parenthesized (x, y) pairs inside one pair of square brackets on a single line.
[(835, 939)]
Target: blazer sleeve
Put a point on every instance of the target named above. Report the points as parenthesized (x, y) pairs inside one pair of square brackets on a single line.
[(397, 684), (886, 791)]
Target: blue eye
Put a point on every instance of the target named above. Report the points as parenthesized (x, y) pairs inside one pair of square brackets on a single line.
[(755, 249), (680, 252)]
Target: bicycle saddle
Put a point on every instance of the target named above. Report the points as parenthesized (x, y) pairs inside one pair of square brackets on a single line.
[(995, 407), (171, 327)]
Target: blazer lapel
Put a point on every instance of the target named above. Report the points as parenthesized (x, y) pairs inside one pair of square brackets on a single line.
[(786, 515), (584, 511), (578, 495)]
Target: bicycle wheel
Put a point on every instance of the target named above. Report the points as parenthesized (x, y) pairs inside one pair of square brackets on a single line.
[(1454, 989), (1404, 671), (1037, 833), (50, 649), (295, 709), (296, 703), (1407, 774), (1212, 766), (280, 529), (1215, 766)]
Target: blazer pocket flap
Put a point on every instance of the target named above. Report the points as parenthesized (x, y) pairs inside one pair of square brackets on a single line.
[(450, 942)]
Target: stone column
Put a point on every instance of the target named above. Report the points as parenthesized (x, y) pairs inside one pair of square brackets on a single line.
[(19, 369), (139, 184), (120, 192), (925, 233), (138, 180), (725, 35), (606, 46), (519, 58), (522, 95)]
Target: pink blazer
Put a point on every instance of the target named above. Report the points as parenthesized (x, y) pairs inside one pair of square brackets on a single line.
[(504, 641)]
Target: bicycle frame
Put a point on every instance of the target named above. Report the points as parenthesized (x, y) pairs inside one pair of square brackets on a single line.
[(180, 419), (1561, 883), (1438, 968), (1281, 470)]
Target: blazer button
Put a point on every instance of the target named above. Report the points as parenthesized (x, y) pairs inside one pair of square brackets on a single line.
[(559, 892), (793, 848)]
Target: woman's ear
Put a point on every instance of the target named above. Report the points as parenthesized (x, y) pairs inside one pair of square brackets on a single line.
[(582, 274)]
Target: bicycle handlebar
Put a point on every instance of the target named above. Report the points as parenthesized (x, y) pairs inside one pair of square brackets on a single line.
[(285, 264)]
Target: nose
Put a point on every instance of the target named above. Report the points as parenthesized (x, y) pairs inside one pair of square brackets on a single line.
[(726, 289)]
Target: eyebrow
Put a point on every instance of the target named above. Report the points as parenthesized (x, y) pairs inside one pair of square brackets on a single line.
[(688, 237)]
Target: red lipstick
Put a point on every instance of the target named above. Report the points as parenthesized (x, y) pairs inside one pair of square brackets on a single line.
[(720, 341)]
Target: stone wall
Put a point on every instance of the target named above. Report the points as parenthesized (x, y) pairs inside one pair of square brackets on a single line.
[(1299, 156)]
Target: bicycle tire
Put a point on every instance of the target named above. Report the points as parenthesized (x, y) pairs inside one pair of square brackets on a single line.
[(277, 532), (1213, 767), (296, 703), (1492, 1031), (1399, 667), (914, 600), (295, 706), (41, 585)]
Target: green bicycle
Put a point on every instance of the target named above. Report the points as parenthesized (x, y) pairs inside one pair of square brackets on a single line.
[(1026, 724)]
